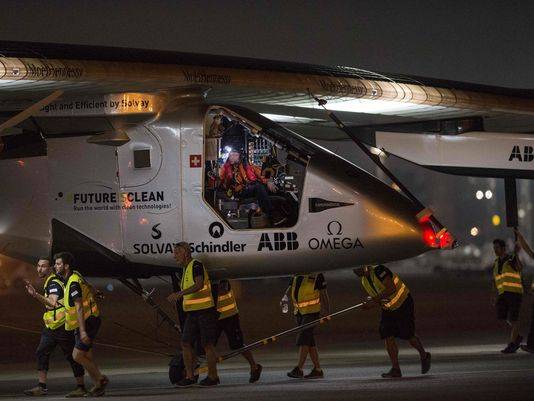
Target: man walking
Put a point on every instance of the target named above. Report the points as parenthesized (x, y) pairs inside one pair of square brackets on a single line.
[(82, 317), (308, 293), (54, 332), (229, 324), (507, 278), (529, 347), (201, 316), (387, 291)]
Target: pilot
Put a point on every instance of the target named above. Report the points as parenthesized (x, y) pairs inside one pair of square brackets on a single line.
[(308, 293), (201, 316), (229, 324), (507, 276), (386, 290), (529, 347), (82, 316), (54, 332), (245, 180)]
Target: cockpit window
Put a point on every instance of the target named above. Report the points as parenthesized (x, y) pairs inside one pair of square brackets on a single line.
[(254, 176)]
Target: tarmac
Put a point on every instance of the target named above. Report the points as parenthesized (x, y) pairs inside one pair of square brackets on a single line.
[(458, 373), (454, 317)]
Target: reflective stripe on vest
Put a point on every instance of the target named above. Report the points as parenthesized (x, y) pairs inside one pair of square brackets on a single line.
[(377, 288), (226, 305), (509, 279), (308, 298), (54, 318), (201, 299), (89, 305)]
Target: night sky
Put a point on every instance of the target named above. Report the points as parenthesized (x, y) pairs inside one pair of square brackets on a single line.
[(488, 42)]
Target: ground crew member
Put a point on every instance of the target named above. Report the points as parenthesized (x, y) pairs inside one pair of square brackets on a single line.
[(82, 317), (387, 290), (308, 293), (229, 324), (529, 347), (201, 316), (507, 279), (54, 332)]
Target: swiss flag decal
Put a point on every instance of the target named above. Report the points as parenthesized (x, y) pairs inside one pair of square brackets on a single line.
[(195, 161)]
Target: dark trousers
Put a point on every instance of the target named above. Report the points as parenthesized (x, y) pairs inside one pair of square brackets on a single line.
[(259, 191), (49, 340), (530, 340)]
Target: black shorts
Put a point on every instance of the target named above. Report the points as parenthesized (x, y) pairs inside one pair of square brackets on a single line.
[(92, 325), (508, 306), (400, 322), (49, 340), (201, 323), (306, 337), (232, 329)]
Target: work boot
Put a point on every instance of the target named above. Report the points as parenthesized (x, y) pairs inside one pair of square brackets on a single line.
[(425, 363), (296, 373), (99, 389), (37, 391), (393, 372), (208, 382), (315, 374), (255, 374), (77, 392), (185, 382), (526, 348), (513, 346)]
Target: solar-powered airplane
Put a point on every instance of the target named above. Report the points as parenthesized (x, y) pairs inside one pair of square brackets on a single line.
[(114, 154)]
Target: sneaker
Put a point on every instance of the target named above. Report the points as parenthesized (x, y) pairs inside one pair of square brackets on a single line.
[(100, 389), (185, 382), (77, 392), (393, 372), (255, 374), (315, 374), (296, 373), (425, 363), (37, 391), (526, 348), (511, 348), (208, 382)]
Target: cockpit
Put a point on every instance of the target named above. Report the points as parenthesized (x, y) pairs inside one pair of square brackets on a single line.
[(254, 169)]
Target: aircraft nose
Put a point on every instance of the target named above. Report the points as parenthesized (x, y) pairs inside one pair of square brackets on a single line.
[(390, 224)]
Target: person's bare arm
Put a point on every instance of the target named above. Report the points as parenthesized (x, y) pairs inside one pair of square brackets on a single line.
[(523, 243), (325, 301), (81, 321), (50, 301)]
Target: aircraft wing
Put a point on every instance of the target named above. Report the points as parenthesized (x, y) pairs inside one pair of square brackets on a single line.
[(31, 71)]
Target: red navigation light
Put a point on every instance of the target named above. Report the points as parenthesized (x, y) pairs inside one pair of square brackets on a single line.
[(429, 236)]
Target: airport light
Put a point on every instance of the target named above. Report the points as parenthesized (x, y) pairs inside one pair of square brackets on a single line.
[(474, 231), (488, 194), (496, 220), (479, 195)]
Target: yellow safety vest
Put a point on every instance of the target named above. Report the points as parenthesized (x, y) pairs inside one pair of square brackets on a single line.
[(90, 308), (226, 305), (377, 288), (308, 299), (54, 318), (201, 299), (508, 279)]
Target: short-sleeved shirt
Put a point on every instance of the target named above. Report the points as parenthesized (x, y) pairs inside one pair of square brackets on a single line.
[(320, 283), (54, 288), (382, 272), (75, 292), (198, 269)]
